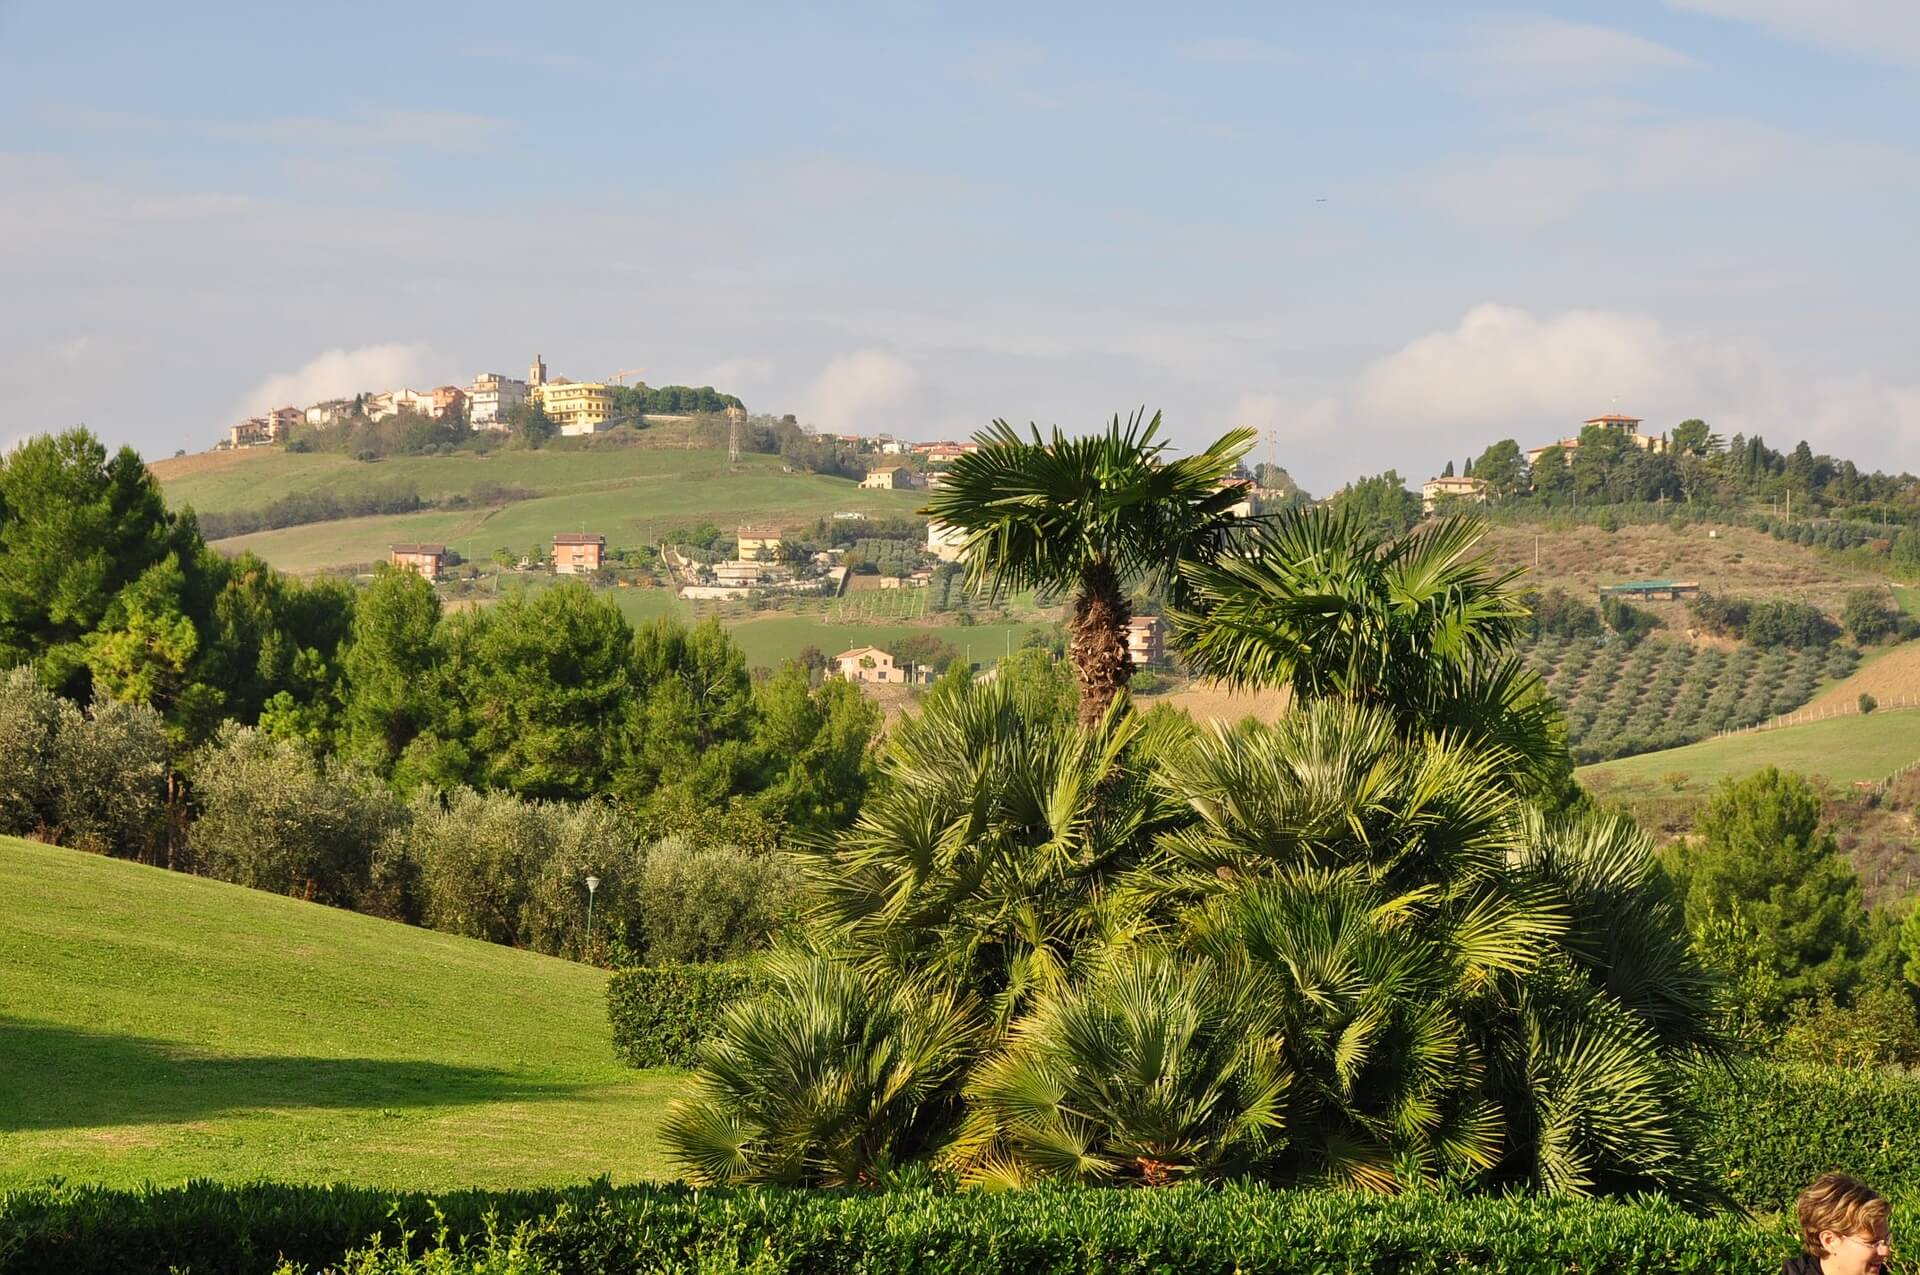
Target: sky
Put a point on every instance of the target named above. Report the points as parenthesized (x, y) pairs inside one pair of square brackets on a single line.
[(1382, 234)]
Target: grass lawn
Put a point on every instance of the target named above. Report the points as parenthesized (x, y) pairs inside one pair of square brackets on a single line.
[(1841, 749), (155, 1026)]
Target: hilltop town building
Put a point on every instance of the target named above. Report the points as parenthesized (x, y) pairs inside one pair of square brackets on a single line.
[(491, 397), (577, 553), (425, 559), (894, 478), (577, 407)]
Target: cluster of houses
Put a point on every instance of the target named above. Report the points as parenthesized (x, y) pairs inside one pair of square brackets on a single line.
[(576, 407), (1466, 487), (574, 553), (1146, 643)]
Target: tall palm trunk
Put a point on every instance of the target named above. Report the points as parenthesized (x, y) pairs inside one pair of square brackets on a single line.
[(1097, 640)]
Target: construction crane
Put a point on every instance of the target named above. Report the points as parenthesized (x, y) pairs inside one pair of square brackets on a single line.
[(620, 377)]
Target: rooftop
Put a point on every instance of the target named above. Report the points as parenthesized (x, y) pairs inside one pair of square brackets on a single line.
[(438, 551), (579, 538)]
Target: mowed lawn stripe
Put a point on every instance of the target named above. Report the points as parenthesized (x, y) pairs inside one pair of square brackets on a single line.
[(156, 1026), (1841, 749)]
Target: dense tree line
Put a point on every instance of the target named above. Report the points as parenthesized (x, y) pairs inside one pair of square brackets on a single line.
[(1697, 468), (170, 704)]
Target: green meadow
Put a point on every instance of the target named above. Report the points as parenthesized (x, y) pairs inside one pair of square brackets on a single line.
[(157, 1026)]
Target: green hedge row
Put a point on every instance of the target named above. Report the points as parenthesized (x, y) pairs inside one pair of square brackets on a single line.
[(1773, 1128), (661, 1013), (600, 1230)]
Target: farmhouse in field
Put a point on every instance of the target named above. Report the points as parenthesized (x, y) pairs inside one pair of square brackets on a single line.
[(425, 559), (759, 544), (577, 554), (891, 478), (868, 664)]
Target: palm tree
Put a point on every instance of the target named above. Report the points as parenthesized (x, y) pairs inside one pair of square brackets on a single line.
[(1420, 625), (1154, 1069), (988, 854), (1463, 985), (832, 1078), (1093, 515)]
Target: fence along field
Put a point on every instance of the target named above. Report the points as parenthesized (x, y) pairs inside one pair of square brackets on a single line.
[(1665, 694)]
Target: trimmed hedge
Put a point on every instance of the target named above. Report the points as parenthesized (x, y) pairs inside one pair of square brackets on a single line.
[(1773, 1127), (601, 1230), (661, 1013)]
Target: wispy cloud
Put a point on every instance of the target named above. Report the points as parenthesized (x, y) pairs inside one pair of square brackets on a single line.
[(454, 131), (1560, 53), (1883, 29), (1234, 49), (1614, 154)]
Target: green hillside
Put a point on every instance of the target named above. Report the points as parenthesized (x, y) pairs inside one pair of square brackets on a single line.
[(156, 1026), (629, 494), (1843, 750)]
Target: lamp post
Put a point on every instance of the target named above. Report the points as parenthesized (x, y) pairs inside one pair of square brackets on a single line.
[(593, 883)]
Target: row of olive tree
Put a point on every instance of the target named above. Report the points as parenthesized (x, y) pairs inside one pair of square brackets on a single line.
[(485, 865), (1108, 947)]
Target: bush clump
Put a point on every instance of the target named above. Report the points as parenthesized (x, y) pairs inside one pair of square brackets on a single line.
[(711, 903), (660, 1014)]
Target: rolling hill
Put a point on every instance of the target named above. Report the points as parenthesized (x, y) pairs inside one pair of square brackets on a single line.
[(156, 1026), (630, 494), (1843, 750)]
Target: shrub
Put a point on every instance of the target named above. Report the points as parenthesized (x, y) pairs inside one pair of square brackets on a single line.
[(510, 871), (661, 1013), (1791, 624), (30, 717), (110, 785), (1867, 617), (1867, 703), (274, 818), (217, 1229), (711, 903)]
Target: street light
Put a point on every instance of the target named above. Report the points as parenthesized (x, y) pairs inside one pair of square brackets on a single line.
[(593, 883)]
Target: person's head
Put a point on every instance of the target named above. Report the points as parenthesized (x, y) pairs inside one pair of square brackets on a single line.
[(1844, 1223)]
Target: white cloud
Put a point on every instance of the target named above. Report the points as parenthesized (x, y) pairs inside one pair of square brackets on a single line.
[(1888, 29), (70, 351), (1499, 363), (729, 376), (868, 389), (1235, 49), (1545, 51), (343, 373)]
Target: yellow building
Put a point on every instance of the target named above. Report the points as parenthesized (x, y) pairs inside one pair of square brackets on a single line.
[(577, 407)]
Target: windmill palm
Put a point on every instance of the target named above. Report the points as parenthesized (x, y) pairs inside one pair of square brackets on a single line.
[(989, 853), (832, 1078), (1463, 985), (1155, 1068), (1421, 625), (1090, 515)]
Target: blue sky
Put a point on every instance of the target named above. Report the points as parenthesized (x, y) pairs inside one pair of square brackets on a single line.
[(1385, 234)]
